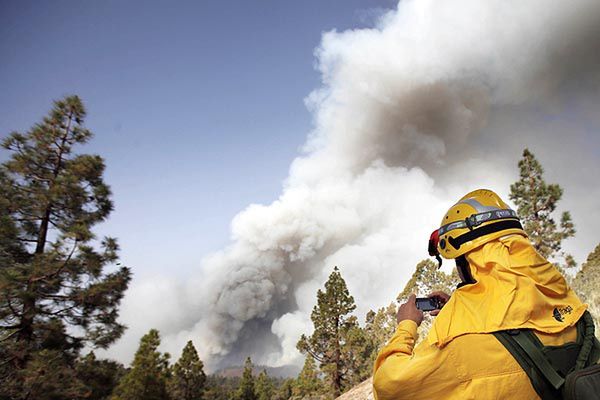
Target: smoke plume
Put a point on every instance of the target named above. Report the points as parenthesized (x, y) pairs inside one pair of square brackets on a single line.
[(438, 98)]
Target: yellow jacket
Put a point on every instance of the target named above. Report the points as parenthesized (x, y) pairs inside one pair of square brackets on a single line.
[(460, 359)]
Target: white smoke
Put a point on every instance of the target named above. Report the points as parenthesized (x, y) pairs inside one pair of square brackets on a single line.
[(439, 98)]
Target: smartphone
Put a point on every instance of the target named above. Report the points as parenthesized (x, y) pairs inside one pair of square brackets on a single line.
[(428, 303)]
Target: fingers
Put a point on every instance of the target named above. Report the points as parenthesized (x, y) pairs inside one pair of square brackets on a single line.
[(440, 294), (442, 299), (409, 311)]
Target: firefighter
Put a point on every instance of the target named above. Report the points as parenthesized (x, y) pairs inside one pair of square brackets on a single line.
[(505, 285)]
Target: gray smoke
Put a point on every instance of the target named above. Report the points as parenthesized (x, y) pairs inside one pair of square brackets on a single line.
[(439, 98)]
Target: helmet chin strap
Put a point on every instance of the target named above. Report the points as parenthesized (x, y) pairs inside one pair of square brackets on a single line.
[(439, 260)]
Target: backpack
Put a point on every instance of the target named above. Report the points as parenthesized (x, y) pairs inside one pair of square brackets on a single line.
[(567, 372)]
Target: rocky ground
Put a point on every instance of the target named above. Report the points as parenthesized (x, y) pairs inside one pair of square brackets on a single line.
[(364, 391)]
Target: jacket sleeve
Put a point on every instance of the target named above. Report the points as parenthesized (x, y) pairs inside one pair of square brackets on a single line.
[(400, 373)]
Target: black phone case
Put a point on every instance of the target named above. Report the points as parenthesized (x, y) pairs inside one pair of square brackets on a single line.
[(427, 303)]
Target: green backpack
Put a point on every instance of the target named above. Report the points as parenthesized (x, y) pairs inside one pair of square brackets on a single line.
[(565, 372)]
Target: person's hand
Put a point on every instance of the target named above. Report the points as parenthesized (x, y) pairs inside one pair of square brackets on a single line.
[(442, 297), (410, 311)]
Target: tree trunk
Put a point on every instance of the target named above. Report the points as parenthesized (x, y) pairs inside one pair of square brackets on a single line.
[(43, 232), (29, 301), (337, 378)]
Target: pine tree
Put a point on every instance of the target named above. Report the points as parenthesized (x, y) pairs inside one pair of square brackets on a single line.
[(99, 376), (220, 387), (308, 382), (147, 379), (379, 328), (284, 391), (55, 294), (357, 351), (587, 281), (264, 386), (188, 379), (332, 321), (246, 390), (46, 377), (536, 201)]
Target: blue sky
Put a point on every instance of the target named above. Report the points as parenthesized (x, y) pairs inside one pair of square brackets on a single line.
[(197, 107)]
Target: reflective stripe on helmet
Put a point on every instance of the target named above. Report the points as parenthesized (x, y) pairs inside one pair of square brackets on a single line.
[(477, 205), (478, 219)]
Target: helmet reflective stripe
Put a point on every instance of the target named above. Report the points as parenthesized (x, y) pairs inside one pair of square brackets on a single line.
[(477, 205), (478, 219)]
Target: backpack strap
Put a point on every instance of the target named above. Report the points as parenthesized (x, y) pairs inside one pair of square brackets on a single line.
[(526, 342), (532, 356), (589, 344), (544, 378)]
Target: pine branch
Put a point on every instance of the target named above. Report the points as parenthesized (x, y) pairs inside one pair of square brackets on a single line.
[(9, 327), (10, 336), (10, 306), (59, 270), (315, 356), (58, 312)]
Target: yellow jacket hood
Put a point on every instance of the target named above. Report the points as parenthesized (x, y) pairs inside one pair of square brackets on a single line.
[(515, 288)]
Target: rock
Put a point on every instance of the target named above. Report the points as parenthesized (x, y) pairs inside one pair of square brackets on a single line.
[(364, 391)]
